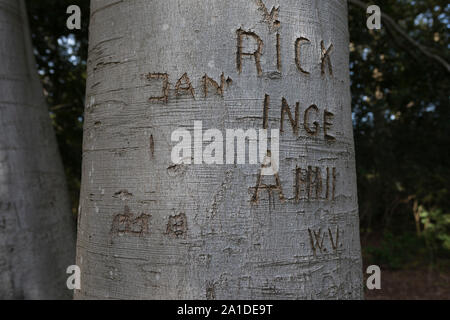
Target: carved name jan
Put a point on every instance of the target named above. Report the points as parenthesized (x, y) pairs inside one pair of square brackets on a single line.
[(184, 87)]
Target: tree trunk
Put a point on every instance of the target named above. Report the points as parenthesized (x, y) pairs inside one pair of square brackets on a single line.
[(153, 229), (37, 230)]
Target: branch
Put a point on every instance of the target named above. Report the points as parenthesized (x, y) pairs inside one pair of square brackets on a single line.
[(391, 23)]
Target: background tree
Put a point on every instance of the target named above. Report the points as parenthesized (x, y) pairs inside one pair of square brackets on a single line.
[(61, 58), (37, 240)]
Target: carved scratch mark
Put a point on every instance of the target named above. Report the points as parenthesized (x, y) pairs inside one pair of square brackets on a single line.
[(177, 226), (152, 146), (256, 54), (126, 224), (184, 86), (165, 87), (271, 18), (298, 43), (270, 188), (207, 81), (326, 58)]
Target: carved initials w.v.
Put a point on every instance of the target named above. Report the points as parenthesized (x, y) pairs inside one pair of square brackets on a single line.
[(317, 240)]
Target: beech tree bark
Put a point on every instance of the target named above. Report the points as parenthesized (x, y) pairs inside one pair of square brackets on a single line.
[(152, 229), (37, 229)]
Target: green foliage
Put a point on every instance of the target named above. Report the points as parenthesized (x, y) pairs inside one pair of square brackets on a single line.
[(397, 251), (436, 228), (401, 116)]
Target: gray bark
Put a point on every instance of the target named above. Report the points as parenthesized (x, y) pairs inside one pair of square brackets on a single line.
[(37, 229), (149, 229)]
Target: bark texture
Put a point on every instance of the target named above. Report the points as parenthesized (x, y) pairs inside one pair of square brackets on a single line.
[(37, 229), (149, 229)]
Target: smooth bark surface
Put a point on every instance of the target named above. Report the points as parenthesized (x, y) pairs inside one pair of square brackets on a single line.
[(37, 229), (149, 229)]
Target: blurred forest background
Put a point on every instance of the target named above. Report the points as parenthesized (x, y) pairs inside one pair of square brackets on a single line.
[(401, 120)]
